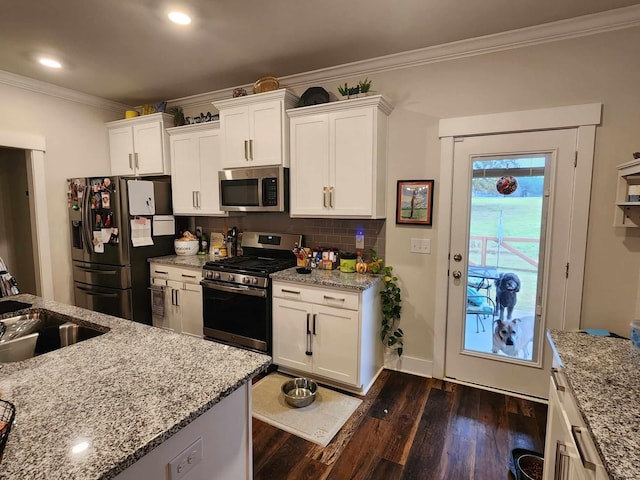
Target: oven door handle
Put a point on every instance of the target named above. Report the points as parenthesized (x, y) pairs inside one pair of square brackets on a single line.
[(254, 292)]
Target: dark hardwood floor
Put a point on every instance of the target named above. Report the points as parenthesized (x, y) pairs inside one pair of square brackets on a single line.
[(410, 427)]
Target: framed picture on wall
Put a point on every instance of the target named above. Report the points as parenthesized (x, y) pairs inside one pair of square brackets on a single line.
[(414, 202)]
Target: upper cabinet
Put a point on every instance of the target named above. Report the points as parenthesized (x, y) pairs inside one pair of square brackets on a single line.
[(255, 129), (195, 161), (627, 213), (140, 146), (339, 158)]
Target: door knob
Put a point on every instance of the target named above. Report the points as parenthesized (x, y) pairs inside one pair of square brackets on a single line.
[(457, 257), (457, 274)]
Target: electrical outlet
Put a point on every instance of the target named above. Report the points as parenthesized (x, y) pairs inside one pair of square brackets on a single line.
[(185, 460), (359, 239), (420, 245)]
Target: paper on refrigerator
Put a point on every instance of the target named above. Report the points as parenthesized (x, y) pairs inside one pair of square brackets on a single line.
[(141, 232)]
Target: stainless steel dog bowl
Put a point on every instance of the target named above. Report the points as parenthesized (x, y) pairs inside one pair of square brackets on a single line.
[(299, 392)]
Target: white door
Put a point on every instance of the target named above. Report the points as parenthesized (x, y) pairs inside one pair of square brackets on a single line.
[(351, 173), (121, 150), (191, 309), (335, 334), (309, 165), (265, 126), (235, 130), (147, 143), (511, 212), (185, 174), (292, 334), (209, 161)]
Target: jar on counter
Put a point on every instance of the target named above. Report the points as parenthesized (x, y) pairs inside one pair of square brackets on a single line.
[(348, 262)]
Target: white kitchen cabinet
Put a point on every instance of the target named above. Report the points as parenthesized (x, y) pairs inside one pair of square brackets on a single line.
[(627, 211), (570, 453), (328, 333), (339, 158), (255, 129), (182, 298), (195, 161), (140, 146)]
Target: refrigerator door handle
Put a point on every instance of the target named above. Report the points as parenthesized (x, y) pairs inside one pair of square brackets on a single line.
[(85, 219)]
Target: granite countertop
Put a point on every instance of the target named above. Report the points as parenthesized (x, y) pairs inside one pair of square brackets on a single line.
[(124, 392), (328, 278), (189, 261), (604, 375)]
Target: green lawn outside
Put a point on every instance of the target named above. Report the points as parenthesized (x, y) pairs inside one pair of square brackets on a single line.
[(520, 218)]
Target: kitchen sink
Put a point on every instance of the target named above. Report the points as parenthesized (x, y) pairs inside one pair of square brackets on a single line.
[(41, 331)]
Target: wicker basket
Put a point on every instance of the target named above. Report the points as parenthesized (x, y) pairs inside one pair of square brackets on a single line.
[(7, 415)]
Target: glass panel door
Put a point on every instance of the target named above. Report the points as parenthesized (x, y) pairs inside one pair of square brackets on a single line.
[(506, 243)]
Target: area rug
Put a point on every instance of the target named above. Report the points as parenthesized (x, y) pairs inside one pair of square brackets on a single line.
[(318, 422)]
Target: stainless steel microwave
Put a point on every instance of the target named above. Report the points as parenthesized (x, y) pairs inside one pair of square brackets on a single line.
[(260, 189)]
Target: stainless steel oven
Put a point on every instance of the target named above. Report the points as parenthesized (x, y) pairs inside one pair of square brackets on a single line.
[(236, 291), (239, 315)]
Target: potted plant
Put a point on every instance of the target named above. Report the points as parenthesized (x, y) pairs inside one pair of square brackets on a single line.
[(391, 334), (365, 86), (178, 116)]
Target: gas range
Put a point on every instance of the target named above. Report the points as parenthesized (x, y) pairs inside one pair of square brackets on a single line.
[(236, 291), (263, 253)]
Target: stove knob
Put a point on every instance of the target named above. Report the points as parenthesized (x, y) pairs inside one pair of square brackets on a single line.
[(254, 281), (216, 275), (246, 280), (231, 278)]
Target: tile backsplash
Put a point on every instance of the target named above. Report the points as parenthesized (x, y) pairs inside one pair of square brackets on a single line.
[(338, 233)]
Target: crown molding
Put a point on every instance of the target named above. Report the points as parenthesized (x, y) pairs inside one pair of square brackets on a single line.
[(45, 88), (612, 20)]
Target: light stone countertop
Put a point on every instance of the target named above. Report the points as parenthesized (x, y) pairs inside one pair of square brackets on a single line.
[(124, 392), (189, 261), (604, 375), (328, 278)]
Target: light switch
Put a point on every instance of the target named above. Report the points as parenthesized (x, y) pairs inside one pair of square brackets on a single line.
[(420, 245)]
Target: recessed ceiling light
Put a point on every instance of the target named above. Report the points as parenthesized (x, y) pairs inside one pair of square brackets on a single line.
[(49, 62), (180, 18)]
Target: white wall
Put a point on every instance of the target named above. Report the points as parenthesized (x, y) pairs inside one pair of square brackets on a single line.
[(76, 142)]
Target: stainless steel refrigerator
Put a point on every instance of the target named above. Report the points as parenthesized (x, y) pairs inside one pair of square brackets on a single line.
[(110, 274)]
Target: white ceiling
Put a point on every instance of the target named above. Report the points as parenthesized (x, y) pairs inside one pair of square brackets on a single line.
[(127, 51)]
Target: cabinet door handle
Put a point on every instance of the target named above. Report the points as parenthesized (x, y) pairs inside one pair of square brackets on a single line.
[(161, 272), (177, 304), (193, 199), (188, 276), (251, 149), (308, 352), (290, 291), (199, 201), (558, 386), (562, 462), (246, 150), (576, 433), (136, 157), (331, 197), (314, 323), (130, 162), (326, 297), (324, 197)]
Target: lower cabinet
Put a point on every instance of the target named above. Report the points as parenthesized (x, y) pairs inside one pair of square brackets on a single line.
[(570, 453), (182, 298), (328, 333)]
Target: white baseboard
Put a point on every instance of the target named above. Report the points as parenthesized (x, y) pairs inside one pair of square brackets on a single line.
[(412, 365)]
